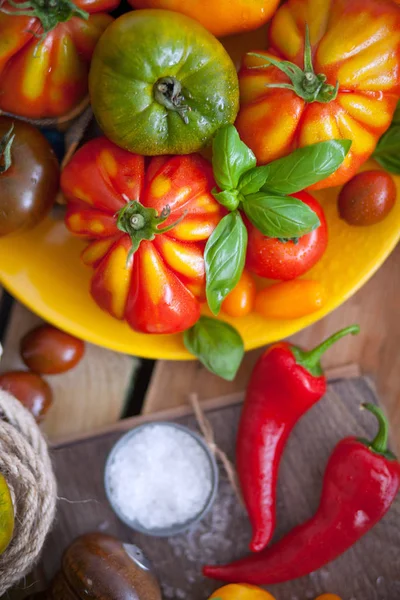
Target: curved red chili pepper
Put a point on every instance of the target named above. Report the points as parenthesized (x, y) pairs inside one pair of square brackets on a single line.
[(360, 483), (286, 382)]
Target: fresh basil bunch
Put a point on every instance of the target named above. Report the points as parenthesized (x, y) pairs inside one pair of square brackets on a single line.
[(262, 193)]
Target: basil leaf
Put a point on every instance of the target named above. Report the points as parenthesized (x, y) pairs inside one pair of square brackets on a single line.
[(280, 216), (224, 258), (228, 198), (253, 180), (304, 167), (231, 158), (217, 345), (387, 151), (396, 116)]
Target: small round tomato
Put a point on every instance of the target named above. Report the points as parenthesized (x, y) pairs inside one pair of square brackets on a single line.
[(221, 17), (30, 389), (277, 259), (367, 198), (240, 301), (161, 84), (241, 591), (29, 176), (290, 299), (328, 597), (47, 350)]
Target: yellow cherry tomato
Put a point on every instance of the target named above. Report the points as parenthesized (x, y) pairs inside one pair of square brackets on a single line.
[(6, 515), (328, 597), (236, 591), (240, 301), (290, 299)]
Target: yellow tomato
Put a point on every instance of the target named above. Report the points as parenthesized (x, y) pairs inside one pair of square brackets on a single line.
[(6, 515), (241, 592), (240, 301)]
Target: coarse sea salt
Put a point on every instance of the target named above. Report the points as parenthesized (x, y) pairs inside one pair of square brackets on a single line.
[(160, 477)]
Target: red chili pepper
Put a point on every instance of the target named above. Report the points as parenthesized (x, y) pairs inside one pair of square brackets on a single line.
[(360, 483), (286, 383)]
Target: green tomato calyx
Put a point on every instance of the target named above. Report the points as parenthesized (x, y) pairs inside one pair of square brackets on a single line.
[(142, 222), (168, 93), (49, 12), (305, 83), (5, 150)]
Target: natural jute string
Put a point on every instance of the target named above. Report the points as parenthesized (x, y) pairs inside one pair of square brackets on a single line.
[(208, 434), (26, 466)]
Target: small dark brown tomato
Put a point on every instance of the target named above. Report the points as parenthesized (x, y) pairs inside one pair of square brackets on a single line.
[(367, 198), (49, 351), (30, 389)]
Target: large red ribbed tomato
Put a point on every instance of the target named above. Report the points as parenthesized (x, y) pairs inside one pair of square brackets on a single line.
[(148, 225), (45, 52)]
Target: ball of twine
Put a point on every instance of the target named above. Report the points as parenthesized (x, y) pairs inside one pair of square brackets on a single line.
[(26, 466)]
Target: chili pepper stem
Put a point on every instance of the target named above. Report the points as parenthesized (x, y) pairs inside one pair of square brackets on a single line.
[(310, 359), (380, 443)]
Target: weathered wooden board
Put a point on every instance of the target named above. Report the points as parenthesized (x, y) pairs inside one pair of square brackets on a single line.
[(90, 396), (369, 571), (375, 349)]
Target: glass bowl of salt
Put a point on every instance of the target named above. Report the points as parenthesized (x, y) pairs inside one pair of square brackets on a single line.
[(161, 478)]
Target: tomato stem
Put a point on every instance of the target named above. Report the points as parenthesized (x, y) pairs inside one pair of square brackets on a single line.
[(49, 12), (5, 150), (305, 83), (168, 93), (141, 223)]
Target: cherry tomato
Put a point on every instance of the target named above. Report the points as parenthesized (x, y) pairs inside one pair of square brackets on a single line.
[(367, 198), (241, 591), (290, 299), (328, 597), (29, 176), (240, 301), (49, 351), (284, 260), (30, 389)]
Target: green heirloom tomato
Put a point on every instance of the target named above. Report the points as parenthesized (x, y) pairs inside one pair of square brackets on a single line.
[(161, 84)]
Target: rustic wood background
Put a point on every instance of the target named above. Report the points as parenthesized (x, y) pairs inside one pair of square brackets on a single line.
[(369, 571), (107, 385)]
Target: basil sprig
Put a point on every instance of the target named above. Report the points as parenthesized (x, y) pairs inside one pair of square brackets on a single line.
[(387, 151), (262, 193), (217, 345)]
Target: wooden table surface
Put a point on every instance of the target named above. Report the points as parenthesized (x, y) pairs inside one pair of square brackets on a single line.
[(107, 385)]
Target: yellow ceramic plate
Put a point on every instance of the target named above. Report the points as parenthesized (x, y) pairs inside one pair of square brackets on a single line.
[(43, 270)]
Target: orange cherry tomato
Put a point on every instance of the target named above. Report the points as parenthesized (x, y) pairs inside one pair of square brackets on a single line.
[(30, 389), (221, 17), (240, 301), (241, 591), (329, 596), (290, 299), (47, 350)]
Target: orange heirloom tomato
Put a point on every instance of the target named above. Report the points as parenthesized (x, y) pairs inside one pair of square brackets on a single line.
[(240, 301), (148, 226), (221, 17), (290, 299), (345, 86), (241, 591), (45, 52)]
